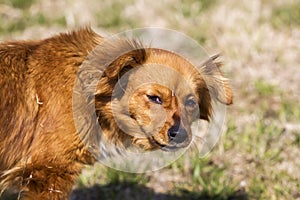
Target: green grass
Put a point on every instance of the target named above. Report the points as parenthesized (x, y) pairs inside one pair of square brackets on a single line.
[(118, 177), (265, 143), (204, 178), (110, 17), (287, 15), (192, 8), (22, 4), (28, 20), (212, 180), (289, 110), (264, 88), (110, 176), (191, 11), (274, 103)]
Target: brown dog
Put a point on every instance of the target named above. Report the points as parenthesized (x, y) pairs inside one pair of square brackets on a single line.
[(41, 151)]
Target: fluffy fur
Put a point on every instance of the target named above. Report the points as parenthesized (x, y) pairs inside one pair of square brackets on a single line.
[(41, 152)]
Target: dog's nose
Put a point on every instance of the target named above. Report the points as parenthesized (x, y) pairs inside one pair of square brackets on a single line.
[(177, 134)]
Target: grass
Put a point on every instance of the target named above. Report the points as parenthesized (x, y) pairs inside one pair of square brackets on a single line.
[(204, 180), (189, 11), (111, 17), (286, 15), (265, 143), (21, 4), (263, 88), (289, 110), (204, 177), (26, 19), (211, 179), (192, 8)]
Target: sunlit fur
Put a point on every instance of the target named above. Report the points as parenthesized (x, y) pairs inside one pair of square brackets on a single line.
[(41, 152)]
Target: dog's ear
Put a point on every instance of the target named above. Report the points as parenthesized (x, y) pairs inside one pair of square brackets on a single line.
[(114, 57), (127, 53), (213, 87)]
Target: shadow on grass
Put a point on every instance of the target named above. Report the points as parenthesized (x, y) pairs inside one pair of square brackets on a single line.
[(130, 191)]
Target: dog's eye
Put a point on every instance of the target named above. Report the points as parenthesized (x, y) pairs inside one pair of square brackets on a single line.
[(155, 99), (190, 103)]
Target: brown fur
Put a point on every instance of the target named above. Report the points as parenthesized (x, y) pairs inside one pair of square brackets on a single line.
[(40, 150)]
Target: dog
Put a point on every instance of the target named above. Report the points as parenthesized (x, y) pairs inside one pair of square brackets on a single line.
[(161, 94)]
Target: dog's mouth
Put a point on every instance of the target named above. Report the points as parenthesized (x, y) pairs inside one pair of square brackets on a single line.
[(169, 147)]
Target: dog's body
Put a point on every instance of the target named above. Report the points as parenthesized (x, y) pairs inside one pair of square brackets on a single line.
[(40, 150)]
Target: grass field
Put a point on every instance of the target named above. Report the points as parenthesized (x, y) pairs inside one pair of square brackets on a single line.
[(257, 157)]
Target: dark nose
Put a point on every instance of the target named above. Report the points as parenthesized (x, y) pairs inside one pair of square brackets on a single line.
[(177, 134)]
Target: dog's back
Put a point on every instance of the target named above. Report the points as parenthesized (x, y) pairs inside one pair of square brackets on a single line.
[(36, 129), (14, 101)]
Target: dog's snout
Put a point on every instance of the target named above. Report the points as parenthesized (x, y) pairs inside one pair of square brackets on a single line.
[(177, 134)]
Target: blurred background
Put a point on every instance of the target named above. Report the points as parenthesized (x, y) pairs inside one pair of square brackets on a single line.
[(257, 156)]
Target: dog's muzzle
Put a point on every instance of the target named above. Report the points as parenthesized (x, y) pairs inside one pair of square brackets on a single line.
[(177, 134)]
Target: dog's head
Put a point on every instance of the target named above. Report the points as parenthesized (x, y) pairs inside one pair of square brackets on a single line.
[(154, 95)]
